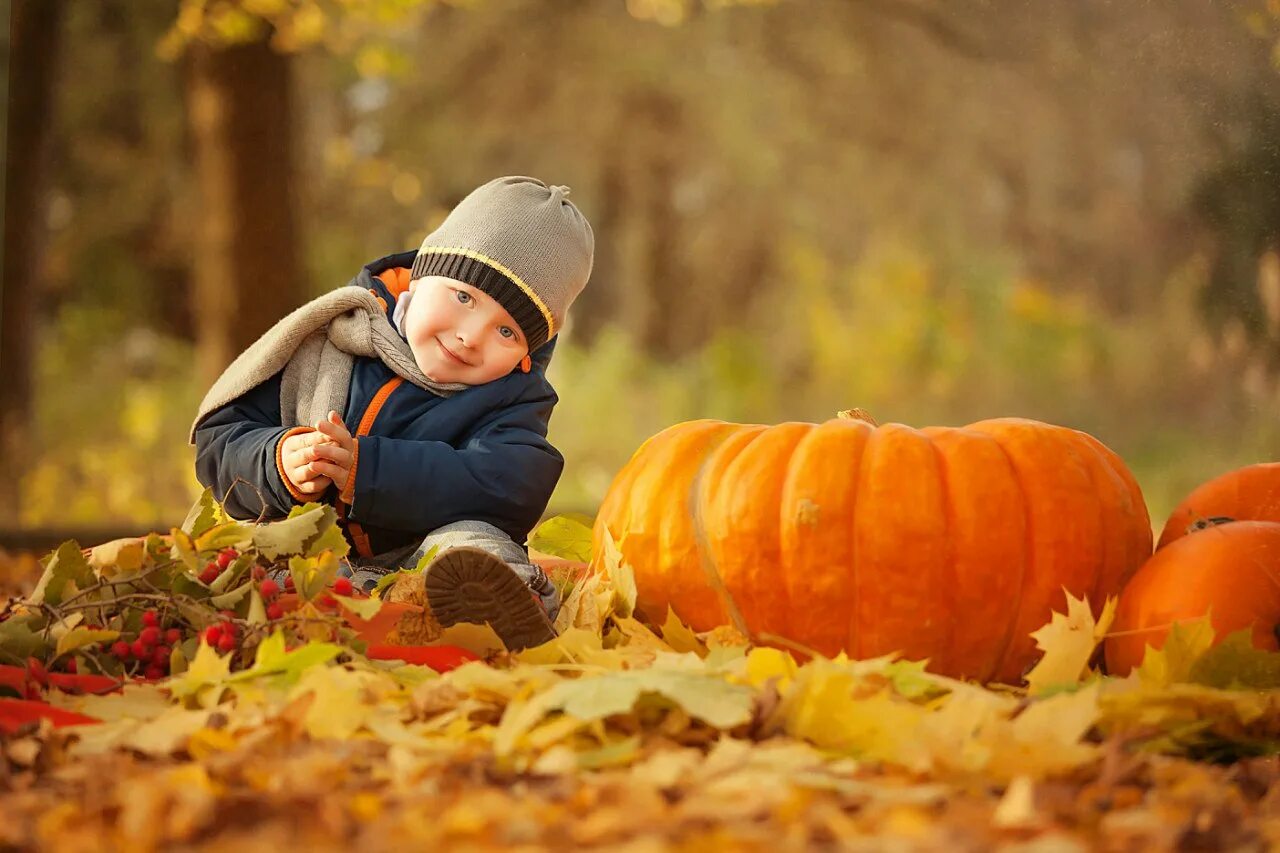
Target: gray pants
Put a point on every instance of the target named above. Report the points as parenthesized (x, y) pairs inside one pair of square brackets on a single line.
[(476, 534)]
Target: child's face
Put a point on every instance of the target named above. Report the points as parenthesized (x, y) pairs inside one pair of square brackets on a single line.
[(461, 334)]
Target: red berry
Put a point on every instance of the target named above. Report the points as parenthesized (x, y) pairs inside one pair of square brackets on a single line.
[(150, 618), (71, 666), (288, 582), (327, 600), (209, 575), (139, 649), (213, 634), (342, 586), (275, 611), (120, 649), (269, 589), (153, 673), (258, 573), (149, 635), (173, 636), (160, 656), (225, 556), (227, 643)]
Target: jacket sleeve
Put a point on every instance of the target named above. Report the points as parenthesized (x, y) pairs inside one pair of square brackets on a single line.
[(503, 474), (236, 454)]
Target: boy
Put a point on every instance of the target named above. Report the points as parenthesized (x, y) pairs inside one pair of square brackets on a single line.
[(415, 400)]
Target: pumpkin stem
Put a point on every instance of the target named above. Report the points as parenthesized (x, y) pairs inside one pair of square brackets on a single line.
[(856, 414), (1202, 523)]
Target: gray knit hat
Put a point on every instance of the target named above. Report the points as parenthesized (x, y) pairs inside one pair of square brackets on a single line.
[(520, 241)]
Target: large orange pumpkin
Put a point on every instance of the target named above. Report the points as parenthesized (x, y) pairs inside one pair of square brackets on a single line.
[(1230, 572), (1251, 493), (951, 544)]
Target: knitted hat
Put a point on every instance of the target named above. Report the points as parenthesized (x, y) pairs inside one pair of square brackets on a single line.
[(520, 241)]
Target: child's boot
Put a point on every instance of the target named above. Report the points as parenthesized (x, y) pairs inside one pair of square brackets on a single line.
[(465, 584)]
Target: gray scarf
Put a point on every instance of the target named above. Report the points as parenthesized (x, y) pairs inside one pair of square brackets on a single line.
[(316, 346)]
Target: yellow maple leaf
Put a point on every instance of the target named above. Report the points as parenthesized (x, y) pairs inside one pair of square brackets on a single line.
[(679, 637), (621, 577), (344, 699), (1068, 641), (205, 678), (1185, 643), (1046, 737), (765, 663)]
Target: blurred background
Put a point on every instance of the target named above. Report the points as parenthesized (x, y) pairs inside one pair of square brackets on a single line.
[(938, 211)]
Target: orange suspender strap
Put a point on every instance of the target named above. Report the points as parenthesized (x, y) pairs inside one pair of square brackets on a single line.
[(366, 423)]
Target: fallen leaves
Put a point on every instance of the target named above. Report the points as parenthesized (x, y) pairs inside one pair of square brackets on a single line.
[(622, 732)]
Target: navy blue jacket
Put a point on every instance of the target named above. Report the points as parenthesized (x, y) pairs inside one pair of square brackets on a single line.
[(425, 461)]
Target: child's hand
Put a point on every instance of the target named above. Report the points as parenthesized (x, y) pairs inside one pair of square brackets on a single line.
[(296, 458), (334, 455)]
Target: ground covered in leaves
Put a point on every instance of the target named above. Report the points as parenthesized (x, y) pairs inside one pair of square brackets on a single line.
[(620, 733)]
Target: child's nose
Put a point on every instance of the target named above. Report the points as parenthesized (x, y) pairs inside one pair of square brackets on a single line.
[(467, 334)]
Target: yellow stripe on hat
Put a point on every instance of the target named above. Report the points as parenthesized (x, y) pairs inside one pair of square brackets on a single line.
[(502, 268)]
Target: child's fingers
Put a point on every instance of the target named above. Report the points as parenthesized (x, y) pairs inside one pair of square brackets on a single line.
[(332, 453), (336, 432), (334, 472), (300, 474), (314, 486)]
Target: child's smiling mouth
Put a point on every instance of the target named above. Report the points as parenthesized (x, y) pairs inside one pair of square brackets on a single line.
[(451, 354)]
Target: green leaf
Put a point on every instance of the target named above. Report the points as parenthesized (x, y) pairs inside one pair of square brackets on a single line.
[(257, 610), (204, 679), (911, 681), (204, 513), (273, 659), (66, 565), (78, 638), (425, 559), (157, 548), (391, 577), (189, 587), (714, 701), (365, 608), (1234, 664), (231, 534), (564, 536), (18, 642), (228, 600), (184, 549), (1183, 646), (279, 538), (330, 539), (222, 582), (311, 575)]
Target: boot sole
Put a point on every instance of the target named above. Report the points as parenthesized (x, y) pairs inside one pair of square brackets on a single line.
[(467, 584)]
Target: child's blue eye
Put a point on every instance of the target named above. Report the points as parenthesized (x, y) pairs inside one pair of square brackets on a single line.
[(507, 332), (463, 296)]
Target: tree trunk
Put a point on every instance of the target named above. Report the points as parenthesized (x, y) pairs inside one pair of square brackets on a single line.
[(34, 28), (247, 273)]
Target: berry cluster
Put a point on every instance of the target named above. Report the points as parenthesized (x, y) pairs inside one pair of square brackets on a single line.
[(270, 590), (225, 635), (149, 652), (218, 565)]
